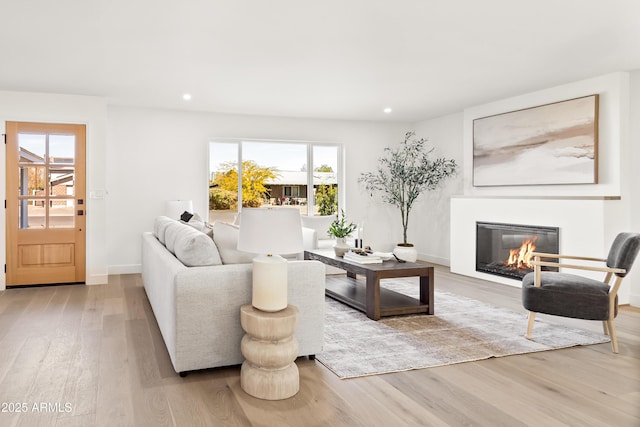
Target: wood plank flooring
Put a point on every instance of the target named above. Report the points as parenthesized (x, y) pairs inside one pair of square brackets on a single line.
[(93, 356)]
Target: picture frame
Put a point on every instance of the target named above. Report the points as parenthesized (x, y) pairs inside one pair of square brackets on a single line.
[(550, 144)]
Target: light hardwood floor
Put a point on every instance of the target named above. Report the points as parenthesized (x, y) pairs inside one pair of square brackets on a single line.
[(93, 355)]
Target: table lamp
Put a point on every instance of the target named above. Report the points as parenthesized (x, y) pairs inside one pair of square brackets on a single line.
[(270, 232)]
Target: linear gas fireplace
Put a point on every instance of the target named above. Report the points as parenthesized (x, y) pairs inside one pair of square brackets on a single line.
[(505, 249)]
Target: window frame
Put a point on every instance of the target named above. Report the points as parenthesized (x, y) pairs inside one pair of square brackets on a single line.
[(310, 166)]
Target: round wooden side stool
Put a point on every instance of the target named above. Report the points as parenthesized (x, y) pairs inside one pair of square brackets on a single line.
[(270, 349)]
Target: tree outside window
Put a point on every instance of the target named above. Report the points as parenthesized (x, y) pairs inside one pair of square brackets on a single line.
[(224, 192)]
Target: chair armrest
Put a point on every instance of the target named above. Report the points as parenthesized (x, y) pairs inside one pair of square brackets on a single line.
[(309, 238), (537, 256), (578, 267), (546, 255)]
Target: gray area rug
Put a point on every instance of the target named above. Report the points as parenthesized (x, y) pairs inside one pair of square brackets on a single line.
[(462, 330)]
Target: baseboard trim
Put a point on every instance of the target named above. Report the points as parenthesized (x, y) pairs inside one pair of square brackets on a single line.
[(435, 259), (97, 279), (125, 269)]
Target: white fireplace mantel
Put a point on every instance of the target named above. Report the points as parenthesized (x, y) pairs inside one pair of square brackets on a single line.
[(587, 227)]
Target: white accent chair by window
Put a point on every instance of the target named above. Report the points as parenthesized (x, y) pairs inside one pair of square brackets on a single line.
[(315, 236)]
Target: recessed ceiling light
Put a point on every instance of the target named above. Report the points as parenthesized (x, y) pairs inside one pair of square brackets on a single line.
[(387, 110), (186, 96)]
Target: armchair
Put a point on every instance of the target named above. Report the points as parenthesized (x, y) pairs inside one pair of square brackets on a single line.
[(571, 295), (315, 236), (317, 227)]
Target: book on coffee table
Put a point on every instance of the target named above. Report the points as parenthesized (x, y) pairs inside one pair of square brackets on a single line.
[(362, 259)]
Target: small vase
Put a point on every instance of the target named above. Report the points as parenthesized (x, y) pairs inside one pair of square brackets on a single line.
[(340, 247), (406, 252)]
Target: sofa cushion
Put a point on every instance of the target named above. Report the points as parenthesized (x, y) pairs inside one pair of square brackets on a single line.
[(320, 223), (195, 221), (171, 234), (195, 249), (225, 236), (160, 227), (208, 230), (567, 295)]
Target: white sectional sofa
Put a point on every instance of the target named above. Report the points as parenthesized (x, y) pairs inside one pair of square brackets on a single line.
[(196, 286)]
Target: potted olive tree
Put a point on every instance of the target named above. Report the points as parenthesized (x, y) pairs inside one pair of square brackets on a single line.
[(403, 174), (341, 229)]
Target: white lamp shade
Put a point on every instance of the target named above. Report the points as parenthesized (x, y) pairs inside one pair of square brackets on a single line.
[(270, 231), (175, 208)]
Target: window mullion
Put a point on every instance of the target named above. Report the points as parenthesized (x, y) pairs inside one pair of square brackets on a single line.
[(310, 196), (240, 160)]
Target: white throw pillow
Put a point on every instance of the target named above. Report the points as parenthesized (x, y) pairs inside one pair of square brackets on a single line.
[(225, 236), (320, 223), (196, 222)]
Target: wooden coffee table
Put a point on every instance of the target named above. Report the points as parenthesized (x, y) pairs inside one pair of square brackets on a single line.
[(367, 296)]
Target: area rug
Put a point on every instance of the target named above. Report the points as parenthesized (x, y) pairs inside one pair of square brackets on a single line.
[(462, 330)]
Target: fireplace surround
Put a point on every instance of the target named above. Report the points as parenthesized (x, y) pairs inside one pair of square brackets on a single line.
[(505, 249), (586, 227)]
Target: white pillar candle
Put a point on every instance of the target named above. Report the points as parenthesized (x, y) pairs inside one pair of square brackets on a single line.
[(269, 283)]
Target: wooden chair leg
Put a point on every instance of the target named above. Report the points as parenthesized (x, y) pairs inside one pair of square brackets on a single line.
[(605, 328), (532, 316), (612, 334)]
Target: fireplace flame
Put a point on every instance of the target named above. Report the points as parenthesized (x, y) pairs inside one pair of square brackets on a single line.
[(521, 257)]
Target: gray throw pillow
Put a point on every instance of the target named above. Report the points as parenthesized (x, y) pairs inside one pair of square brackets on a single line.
[(160, 227), (195, 249)]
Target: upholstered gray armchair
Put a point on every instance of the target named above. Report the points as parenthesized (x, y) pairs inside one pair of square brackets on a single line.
[(571, 295)]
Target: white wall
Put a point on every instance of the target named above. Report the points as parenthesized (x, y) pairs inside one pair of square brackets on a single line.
[(159, 155), (632, 175), (20, 106), (573, 208), (429, 223)]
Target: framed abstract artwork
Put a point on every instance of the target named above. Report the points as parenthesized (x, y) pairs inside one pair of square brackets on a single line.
[(549, 144)]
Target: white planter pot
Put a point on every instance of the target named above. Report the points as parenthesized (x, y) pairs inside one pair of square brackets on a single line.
[(407, 253), (341, 246)]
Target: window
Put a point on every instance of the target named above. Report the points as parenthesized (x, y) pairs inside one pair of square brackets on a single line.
[(46, 181), (290, 191), (325, 179), (273, 174)]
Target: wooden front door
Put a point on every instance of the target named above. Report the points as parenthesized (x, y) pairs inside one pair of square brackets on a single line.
[(45, 203)]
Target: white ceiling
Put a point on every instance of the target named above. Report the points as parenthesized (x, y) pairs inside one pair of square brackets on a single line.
[(343, 59)]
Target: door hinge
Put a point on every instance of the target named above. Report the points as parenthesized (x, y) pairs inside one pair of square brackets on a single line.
[(4, 136)]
